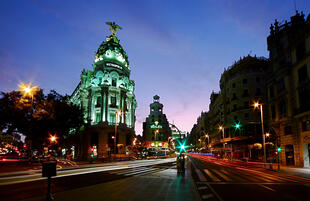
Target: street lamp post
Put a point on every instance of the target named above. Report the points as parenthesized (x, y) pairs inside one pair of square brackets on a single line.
[(276, 145), (207, 136), (260, 106), (223, 133)]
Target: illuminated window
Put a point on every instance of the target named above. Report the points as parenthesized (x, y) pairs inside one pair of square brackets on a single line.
[(306, 125), (113, 100), (97, 117)]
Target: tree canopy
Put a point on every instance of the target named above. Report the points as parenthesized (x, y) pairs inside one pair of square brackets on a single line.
[(39, 116)]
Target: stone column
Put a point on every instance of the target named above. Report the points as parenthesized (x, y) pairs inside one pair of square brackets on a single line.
[(101, 108), (90, 98)]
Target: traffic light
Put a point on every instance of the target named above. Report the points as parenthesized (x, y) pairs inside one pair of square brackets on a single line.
[(182, 146), (279, 149), (276, 153), (237, 125)]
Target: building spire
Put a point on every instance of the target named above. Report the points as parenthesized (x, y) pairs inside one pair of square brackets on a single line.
[(113, 27)]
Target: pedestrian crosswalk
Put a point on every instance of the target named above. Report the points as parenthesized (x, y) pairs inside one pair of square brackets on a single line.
[(135, 171)]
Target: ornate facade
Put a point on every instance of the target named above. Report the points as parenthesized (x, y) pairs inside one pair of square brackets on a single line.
[(106, 95)]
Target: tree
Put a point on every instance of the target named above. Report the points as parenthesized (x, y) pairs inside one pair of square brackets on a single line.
[(38, 116)]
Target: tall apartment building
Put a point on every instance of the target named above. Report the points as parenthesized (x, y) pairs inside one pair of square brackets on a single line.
[(288, 87)]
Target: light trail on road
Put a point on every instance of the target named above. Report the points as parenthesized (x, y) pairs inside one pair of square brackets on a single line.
[(86, 169)]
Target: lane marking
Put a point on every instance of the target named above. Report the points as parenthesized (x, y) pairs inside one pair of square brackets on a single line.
[(202, 187), (222, 175), (125, 171), (213, 177), (200, 175), (267, 187), (207, 196), (138, 172)]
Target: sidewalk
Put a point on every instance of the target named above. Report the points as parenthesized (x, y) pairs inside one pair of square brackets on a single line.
[(301, 172)]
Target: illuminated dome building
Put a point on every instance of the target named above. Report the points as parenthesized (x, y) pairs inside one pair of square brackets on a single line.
[(156, 130), (106, 95)]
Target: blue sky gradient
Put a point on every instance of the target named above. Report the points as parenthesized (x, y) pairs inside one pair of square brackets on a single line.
[(176, 49)]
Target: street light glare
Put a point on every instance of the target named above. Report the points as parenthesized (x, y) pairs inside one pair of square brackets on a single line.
[(53, 138), (27, 89), (256, 105)]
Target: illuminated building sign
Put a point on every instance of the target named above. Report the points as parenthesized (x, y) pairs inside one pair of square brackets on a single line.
[(113, 65), (156, 126)]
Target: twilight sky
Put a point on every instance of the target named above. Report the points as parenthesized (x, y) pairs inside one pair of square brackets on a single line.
[(177, 49)]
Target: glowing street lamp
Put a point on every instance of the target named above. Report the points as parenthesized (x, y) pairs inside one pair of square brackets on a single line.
[(260, 106), (53, 138), (27, 90)]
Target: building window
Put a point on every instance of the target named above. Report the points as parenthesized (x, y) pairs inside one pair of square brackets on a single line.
[(302, 74), (300, 51), (304, 98), (258, 79), (114, 82), (97, 117), (287, 130), (246, 104), (234, 85), (244, 81), (281, 85), (282, 108), (273, 112), (245, 93), (305, 125), (112, 118), (235, 107), (271, 92), (98, 101), (234, 96), (113, 100)]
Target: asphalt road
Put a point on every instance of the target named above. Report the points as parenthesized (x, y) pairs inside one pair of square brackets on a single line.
[(232, 181), (139, 180)]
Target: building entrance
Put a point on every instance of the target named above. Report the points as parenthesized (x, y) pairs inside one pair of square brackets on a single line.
[(289, 154)]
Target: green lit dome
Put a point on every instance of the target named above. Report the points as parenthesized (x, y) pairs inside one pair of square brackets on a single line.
[(111, 50)]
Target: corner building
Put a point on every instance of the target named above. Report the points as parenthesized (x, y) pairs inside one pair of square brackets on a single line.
[(106, 95), (241, 85)]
